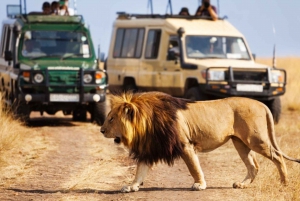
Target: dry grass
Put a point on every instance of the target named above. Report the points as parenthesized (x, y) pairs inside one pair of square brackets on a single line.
[(11, 132), (267, 186), (290, 100)]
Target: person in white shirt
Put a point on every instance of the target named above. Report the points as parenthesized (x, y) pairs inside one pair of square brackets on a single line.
[(64, 8)]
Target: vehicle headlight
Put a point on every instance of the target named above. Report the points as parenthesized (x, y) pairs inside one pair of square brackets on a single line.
[(99, 76), (277, 77), (38, 78), (216, 75), (87, 78)]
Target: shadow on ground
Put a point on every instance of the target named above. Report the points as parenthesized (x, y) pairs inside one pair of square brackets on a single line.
[(93, 191)]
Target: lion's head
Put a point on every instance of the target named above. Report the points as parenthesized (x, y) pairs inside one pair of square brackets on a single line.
[(147, 124)]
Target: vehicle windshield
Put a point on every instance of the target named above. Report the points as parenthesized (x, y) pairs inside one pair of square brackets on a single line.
[(64, 44), (219, 47)]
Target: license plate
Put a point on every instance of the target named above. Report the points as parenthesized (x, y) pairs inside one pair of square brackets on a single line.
[(64, 97), (249, 87)]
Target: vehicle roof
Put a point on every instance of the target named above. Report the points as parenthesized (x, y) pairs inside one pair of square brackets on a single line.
[(191, 25), (9, 21), (45, 19)]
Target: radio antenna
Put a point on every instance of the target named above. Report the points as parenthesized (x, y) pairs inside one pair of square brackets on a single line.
[(75, 6), (151, 6), (274, 48), (169, 5), (218, 8)]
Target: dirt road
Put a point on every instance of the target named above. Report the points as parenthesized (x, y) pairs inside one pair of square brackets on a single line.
[(65, 160)]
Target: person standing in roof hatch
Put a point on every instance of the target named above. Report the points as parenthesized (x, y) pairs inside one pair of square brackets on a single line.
[(208, 10), (184, 11), (64, 8), (46, 8)]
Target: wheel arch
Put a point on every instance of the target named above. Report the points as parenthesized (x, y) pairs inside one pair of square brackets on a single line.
[(189, 83)]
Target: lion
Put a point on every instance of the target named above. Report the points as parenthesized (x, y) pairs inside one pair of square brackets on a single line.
[(157, 127)]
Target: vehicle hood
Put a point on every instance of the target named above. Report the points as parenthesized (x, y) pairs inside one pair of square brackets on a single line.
[(205, 63), (42, 64)]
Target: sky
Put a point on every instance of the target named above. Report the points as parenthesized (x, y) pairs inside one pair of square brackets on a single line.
[(263, 22)]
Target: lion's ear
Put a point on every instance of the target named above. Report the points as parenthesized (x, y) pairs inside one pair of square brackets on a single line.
[(128, 111)]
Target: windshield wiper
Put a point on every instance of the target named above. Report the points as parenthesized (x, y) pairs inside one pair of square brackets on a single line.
[(242, 59), (70, 55), (45, 56), (211, 57)]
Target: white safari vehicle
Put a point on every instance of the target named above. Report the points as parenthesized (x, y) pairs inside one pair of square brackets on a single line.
[(189, 57)]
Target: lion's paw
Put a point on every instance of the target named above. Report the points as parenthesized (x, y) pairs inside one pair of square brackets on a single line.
[(127, 189), (239, 185), (198, 187)]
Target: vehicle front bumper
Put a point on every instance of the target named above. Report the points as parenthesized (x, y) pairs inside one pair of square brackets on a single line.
[(228, 87), (45, 98)]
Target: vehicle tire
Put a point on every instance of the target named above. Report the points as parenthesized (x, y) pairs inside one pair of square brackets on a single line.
[(79, 115), (21, 111), (275, 108), (98, 113), (130, 87), (195, 94)]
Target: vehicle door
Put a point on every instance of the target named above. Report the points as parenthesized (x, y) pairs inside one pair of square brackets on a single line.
[(6, 46), (170, 71)]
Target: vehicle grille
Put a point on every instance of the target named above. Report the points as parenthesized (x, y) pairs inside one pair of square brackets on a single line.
[(64, 77), (248, 76)]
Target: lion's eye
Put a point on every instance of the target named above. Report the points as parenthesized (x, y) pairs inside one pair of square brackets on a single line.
[(111, 119)]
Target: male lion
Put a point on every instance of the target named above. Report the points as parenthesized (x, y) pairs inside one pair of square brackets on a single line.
[(157, 127)]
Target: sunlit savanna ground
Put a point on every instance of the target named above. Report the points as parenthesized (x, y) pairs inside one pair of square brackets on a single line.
[(266, 187)]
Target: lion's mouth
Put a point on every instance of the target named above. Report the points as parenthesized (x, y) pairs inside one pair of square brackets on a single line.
[(117, 140)]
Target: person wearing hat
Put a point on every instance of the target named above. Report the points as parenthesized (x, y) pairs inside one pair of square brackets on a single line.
[(184, 11), (208, 10)]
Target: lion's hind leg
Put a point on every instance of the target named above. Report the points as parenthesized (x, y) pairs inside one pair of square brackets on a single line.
[(275, 156), (249, 159)]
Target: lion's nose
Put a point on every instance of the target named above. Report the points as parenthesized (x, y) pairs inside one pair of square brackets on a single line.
[(102, 131)]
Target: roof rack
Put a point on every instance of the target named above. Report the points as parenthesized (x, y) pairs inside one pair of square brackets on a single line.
[(37, 17), (124, 15)]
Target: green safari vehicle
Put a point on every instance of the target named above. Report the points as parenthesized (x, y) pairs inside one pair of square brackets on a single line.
[(48, 64)]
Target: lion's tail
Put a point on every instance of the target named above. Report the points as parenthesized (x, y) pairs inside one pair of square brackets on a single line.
[(271, 131)]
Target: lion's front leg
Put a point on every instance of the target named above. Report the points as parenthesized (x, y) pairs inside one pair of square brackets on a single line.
[(191, 159), (141, 172)]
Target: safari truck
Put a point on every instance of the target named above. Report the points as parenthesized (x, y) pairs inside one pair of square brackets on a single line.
[(190, 57), (48, 64)]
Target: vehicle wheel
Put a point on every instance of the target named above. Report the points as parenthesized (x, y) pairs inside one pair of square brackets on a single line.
[(275, 107), (130, 87), (98, 112), (195, 94), (79, 115), (21, 111)]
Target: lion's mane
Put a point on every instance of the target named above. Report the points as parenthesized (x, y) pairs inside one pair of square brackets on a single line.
[(152, 120)]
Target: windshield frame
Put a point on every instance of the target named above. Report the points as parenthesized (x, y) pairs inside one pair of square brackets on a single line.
[(223, 55)]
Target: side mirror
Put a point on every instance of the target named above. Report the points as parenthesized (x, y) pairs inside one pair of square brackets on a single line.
[(171, 55), (254, 56), (8, 56)]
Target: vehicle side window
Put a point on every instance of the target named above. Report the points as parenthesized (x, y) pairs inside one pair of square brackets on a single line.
[(152, 45), (129, 43), (3, 40), (173, 46), (8, 39), (139, 44)]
